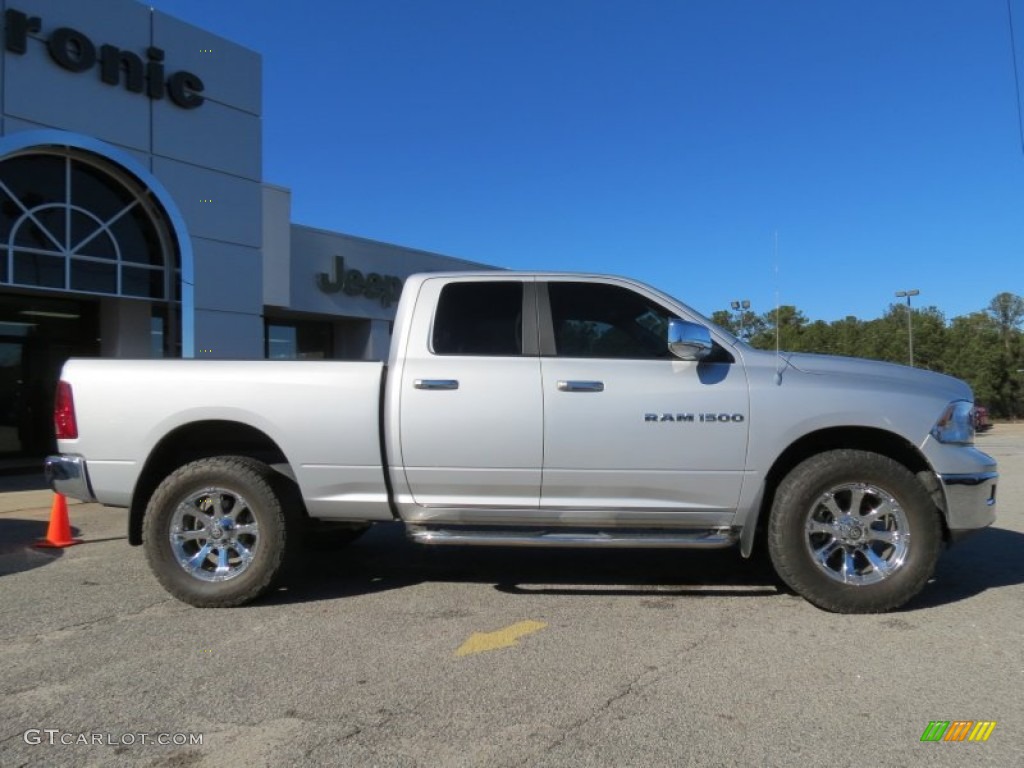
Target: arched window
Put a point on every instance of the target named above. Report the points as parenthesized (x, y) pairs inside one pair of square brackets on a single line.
[(71, 221)]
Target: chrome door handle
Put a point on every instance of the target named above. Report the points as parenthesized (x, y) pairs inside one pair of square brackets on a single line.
[(581, 386), (436, 383)]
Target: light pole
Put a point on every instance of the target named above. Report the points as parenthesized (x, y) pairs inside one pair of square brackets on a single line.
[(739, 307), (910, 324)]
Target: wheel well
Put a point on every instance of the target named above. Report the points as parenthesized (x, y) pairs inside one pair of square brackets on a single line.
[(194, 441), (857, 438)]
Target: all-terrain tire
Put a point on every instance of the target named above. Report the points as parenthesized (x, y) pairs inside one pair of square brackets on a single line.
[(216, 534), (854, 532)]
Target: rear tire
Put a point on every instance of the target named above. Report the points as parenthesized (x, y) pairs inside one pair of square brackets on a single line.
[(216, 534), (854, 532)]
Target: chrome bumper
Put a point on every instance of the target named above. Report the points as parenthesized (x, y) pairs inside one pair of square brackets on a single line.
[(68, 476), (970, 501)]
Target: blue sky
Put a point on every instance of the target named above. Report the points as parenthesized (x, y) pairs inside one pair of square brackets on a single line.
[(665, 140)]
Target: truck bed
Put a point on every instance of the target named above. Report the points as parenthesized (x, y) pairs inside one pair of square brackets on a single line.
[(324, 416)]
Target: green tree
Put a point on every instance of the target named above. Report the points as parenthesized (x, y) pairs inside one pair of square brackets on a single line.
[(930, 339), (1008, 311), (723, 318), (743, 325), (819, 337), (975, 355), (848, 335), (885, 338), (791, 323)]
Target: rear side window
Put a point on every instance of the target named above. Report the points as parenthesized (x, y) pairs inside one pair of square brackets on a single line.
[(483, 318)]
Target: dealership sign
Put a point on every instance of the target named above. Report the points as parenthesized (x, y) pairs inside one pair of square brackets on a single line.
[(352, 282), (76, 52)]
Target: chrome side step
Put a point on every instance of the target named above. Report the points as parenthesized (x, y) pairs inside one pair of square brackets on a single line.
[(714, 538)]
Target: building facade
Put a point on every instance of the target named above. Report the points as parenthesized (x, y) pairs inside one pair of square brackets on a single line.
[(134, 218)]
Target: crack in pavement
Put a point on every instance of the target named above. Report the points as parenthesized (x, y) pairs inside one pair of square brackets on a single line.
[(119, 616), (633, 686)]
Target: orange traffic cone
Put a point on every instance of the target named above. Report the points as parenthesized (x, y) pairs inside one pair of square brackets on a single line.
[(59, 533)]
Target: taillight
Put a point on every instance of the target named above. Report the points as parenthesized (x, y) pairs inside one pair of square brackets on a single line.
[(64, 422)]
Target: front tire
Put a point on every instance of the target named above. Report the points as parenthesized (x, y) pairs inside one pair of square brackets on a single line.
[(854, 532), (216, 534)]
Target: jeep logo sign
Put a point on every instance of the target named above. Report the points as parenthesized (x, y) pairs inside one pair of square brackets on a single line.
[(75, 52), (352, 282)]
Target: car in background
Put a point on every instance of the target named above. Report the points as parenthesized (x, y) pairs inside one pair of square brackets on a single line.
[(981, 420)]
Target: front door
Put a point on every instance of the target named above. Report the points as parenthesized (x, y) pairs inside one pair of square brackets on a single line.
[(633, 435)]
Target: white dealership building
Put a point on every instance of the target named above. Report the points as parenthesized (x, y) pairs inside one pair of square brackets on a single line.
[(134, 218)]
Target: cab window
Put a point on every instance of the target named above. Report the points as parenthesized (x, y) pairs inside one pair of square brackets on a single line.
[(601, 320), (482, 318)]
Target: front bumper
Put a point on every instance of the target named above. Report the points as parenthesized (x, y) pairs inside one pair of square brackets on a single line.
[(970, 501), (68, 476)]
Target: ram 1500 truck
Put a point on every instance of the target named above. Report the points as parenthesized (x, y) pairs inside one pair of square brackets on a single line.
[(533, 410)]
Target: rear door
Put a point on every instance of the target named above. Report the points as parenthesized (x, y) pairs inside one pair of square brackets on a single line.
[(633, 435), (471, 426)]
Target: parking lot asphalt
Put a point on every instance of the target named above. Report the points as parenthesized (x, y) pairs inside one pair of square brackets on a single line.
[(390, 654)]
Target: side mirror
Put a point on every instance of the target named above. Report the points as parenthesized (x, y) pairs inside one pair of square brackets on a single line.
[(688, 341)]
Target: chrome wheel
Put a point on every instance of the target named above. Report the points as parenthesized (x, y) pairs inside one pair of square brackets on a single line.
[(857, 534), (214, 534), (840, 531)]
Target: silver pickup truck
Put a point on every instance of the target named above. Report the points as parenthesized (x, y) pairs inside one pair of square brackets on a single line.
[(533, 410)]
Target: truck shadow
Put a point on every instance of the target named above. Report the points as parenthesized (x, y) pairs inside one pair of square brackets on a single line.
[(384, 560), (988, 559)]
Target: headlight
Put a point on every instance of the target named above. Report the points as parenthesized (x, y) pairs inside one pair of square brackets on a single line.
[(956, 424)]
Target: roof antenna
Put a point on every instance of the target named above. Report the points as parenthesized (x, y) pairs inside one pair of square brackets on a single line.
[(780, 365), (1016, 75)]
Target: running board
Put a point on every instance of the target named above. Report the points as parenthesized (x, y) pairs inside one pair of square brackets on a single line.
[(713, 538)]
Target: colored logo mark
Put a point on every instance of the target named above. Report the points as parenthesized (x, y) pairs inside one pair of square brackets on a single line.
[(958, 730)]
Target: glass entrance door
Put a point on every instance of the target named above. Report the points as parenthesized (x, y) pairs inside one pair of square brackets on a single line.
[(11, 395), (37, 335)]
